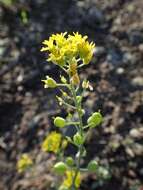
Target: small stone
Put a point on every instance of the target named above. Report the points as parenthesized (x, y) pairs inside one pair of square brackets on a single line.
[(134, 133), (128, 57), (94, 16), (114, 56), (135, 38), (138, 149), (118, 21), (99, 50), (141, 47), (120, 70), (141, 171), (20, 88), (130, 152), (131, 173), (138, 81), (131, 8), (20, 78)]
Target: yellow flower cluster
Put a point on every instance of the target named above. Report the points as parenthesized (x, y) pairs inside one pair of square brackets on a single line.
[(24, 162), (69, 179), (63, 49), (52, 142)]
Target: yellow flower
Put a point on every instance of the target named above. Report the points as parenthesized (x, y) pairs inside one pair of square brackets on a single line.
[(24, 162), (55, 46), (69, 179), (63, 49), (52, 142), (84, 48), (86, 51)]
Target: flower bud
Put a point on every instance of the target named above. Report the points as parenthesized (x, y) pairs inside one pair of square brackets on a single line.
[(63, 80), (78, 139), (59, 122), (95, 119), (85, 84), (75, 79), (92, 166), (70, 161), (60, 168), (79, 99), (49, 82), (82, 112), (64, 144), (73, 67)]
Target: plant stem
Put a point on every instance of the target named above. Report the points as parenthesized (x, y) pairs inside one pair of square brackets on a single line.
[(80, 130), (68, 105)]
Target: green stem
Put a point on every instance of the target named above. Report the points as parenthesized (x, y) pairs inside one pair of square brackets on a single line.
[(63, 85), (78, 108), (72, 123), (80, 130), (68, 105)]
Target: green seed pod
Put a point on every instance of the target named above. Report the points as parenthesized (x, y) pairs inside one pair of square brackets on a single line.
[(60, 168), (69, 161), (95, 119), (49, 82), (78, 139), (92, 166), (89, 120), (59, 122)]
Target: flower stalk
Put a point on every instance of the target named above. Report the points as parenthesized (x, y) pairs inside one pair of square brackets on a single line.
[(69, 52)]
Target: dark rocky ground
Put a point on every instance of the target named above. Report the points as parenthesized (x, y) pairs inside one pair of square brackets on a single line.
[(116, 75)]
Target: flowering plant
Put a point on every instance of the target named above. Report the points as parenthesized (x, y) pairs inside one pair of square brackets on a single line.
[(69, 52)]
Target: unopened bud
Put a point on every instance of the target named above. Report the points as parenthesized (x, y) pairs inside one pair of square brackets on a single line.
[(70, 161), (75, 79), (79, 99), (64, 144), (78, 139), (49, 82), (63, 80), (82, 112)]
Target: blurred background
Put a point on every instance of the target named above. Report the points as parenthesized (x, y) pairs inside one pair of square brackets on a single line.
[(116, 73)]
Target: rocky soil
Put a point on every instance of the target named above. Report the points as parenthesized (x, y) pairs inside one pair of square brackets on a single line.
[(116, 73)]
